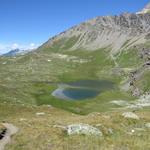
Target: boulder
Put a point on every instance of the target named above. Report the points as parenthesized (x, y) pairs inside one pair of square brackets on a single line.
[(40, 113), (130, 115), (147, 125), (120, 102), (83, 129)]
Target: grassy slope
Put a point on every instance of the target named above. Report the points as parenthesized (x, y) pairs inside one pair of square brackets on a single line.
[(129, 58), (144, 82), (28, 79), (39, 133)]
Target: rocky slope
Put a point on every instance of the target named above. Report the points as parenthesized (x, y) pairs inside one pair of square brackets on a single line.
[(107, 31)]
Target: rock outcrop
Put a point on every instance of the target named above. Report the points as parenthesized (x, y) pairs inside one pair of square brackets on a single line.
[(147, 125), (83, 129), (130, 115), (7, 133)]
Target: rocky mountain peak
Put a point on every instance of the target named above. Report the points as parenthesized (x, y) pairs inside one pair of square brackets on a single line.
[(145, 10)]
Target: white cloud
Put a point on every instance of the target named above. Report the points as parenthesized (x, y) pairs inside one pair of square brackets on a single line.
[(33, 45), (15, 46), (7, 47)]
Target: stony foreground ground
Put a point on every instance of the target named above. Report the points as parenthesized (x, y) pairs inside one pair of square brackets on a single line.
[(40, 128)]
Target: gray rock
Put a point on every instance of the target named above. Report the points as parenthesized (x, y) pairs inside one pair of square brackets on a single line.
[(40, 113), (130, 115), (110, 131), (136, 92), (147, 125), (83, 129), (120, 102)]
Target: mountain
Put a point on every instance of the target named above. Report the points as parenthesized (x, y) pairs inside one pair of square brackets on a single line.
[(16, 52), (102, 32), (12, 53)]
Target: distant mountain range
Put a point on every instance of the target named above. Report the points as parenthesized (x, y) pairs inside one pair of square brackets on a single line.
[(15, 52)]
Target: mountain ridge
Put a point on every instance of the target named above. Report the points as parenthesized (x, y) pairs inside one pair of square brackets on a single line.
[(103, 32)]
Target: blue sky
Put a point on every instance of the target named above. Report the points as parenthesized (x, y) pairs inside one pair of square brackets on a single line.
[(28, 23)]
